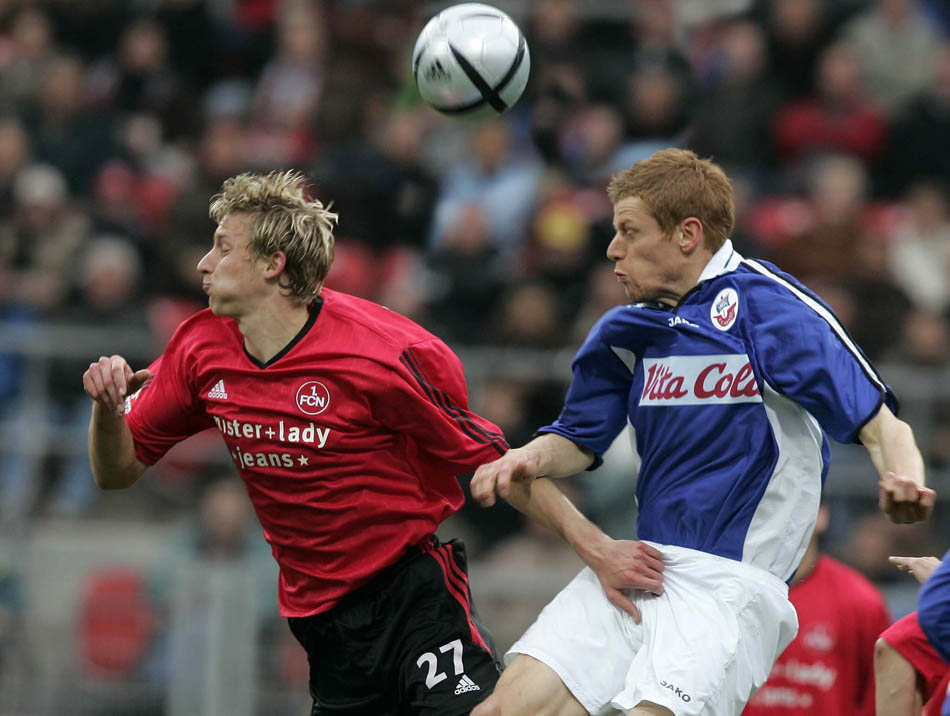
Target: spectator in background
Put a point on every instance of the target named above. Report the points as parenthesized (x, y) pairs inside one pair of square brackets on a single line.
[(828, 669), (66, 133), (221, 533), (106, 291), (287, 94), (896, 46), (41, 243), (498, 176), (796, 31), (823, 247), (653, 42), (386, 173), (924, 339), (462, 302), (528, 316), (28, 50), (654, 108), (587, 143), (563, 245), (14, 157), (602, 294), (554, 34), (837, 118), (919, 145), (142, 79), (919, 253), (736, 104), (220, 154), (885, 307)]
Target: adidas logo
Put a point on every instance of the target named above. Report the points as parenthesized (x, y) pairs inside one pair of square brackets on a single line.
[(218, 391), (436, 73), (466, 684)]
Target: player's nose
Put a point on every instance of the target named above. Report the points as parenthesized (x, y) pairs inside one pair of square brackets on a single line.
[(205, 264), (615, 248)]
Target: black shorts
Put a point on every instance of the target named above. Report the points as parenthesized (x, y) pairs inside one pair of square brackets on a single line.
[(409, 642)]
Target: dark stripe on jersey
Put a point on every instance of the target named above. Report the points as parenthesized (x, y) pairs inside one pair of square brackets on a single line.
[(314, 312), (842, 333), (440, 399), (461, 423), (459, 415), (444, 401)]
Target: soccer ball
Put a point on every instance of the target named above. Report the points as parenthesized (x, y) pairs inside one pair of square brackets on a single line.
[(471, 60)]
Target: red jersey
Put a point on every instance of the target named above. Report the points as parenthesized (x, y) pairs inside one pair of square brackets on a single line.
[(909, 640), (828, 670), (349, 440)]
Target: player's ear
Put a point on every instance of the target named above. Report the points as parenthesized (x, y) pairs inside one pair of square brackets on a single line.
[(276, 263), (689, 235)]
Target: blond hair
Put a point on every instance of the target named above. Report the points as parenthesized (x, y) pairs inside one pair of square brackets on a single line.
[(283, 219), (676, 184)]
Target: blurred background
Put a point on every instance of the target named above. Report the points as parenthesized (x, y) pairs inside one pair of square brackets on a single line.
[(120, 118)]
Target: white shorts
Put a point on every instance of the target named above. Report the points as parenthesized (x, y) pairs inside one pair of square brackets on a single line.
[(703, 648)]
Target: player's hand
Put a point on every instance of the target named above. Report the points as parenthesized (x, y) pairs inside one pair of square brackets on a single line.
[(497, 477), (920, 567), (903, 500), (109, 380), (627, 564)]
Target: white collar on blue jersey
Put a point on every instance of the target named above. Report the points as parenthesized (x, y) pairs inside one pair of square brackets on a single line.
[(726, 259)]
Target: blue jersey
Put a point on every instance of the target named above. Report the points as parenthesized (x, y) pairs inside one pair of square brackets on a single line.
[(730, 395), (933, 608)]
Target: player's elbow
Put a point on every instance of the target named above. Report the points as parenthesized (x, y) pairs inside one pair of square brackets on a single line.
[(117, 479)]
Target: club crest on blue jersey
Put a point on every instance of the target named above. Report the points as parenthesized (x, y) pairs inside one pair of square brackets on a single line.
[(313, 397), (725, 309)]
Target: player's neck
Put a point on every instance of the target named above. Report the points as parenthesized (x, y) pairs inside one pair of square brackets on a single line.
[(269, 329)]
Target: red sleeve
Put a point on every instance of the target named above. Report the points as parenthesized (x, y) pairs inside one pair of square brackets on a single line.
[(165, 410), (934, 707), (427, 401), (909, 640)]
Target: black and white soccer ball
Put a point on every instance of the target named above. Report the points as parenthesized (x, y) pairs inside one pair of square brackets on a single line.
[(471, 60)]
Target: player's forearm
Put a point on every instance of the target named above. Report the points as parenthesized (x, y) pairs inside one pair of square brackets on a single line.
[(543, 501), (558, 456), (111, 450), (891, 446)]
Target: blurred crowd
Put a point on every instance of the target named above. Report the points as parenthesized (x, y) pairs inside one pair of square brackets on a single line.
[(120, 118), (118, 121)]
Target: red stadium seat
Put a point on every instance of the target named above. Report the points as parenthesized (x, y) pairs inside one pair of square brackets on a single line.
[(115, 623)]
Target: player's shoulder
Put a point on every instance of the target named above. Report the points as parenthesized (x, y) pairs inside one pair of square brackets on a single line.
[(762, 276), (200, 328), (768, 291), (372, 326)]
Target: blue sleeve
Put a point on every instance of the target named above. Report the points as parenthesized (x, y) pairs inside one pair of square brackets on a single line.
[(804, 353), (595, 410), (933, 608)]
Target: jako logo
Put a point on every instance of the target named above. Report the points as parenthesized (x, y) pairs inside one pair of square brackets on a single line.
[(695, 380), (676, 691), (313, 397)]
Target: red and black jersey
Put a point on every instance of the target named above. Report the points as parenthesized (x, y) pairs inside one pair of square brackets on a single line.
[(349, 440)]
